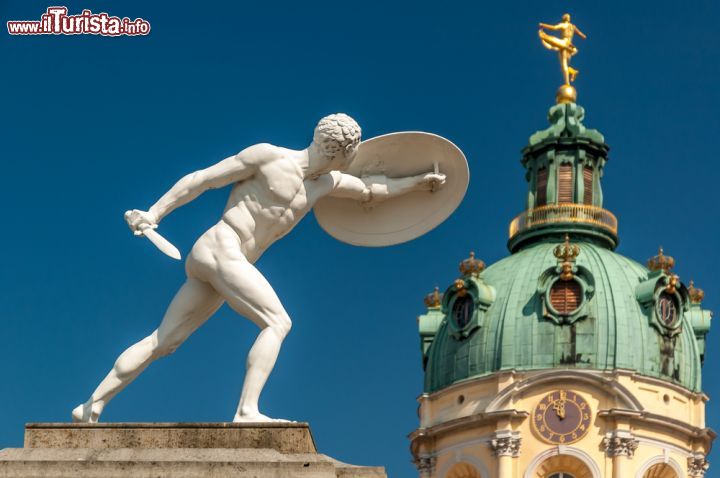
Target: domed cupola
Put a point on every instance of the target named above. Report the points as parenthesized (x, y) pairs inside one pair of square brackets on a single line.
[(564, 298)]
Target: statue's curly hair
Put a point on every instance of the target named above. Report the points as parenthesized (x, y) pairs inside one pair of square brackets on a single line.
[(337, 132)]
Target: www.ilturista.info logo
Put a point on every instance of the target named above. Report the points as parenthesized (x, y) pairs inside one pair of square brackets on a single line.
[(56, 21)]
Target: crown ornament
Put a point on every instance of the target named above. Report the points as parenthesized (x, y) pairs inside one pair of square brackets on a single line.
[(566, 254), (472, 266), (433, 299), (661, 262), (696, 295), (460, 287), (672, 283)]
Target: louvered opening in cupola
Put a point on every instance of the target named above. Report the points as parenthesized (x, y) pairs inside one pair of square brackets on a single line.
[(541, 187), (587, 185), (565, 183), (565, 296)]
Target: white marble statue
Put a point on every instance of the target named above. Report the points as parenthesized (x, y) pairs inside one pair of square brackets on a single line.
[(273, 188)]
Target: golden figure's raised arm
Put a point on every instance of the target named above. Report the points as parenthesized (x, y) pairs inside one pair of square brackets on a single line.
[(577, 30), (550, 27)]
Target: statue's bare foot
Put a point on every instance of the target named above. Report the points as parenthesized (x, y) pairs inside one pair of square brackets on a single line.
[(84, 413), (573, 73), (257, 417)]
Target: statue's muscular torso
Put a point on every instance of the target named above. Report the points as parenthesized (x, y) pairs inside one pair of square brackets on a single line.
[(262, 208), (568, 31)]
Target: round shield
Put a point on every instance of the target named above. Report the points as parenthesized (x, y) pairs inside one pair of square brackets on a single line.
[(405, 217)]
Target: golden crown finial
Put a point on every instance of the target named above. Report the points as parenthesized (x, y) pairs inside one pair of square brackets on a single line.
[(566, 254), (471, 266), (566, 50), (434, 298), (661, 262), (696, 295)]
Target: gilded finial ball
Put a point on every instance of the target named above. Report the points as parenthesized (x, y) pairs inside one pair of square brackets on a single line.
[(566, 94)]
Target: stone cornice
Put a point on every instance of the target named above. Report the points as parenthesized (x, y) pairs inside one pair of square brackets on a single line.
[(461, 385), (661, 421), (465, 423), (518, 376), (690, 394), (596, 379)]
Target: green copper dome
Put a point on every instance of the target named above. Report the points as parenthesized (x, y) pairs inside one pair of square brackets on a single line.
[(514, 333), (564, 298)]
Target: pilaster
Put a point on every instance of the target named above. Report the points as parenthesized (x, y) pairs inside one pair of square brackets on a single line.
[(620, 446)]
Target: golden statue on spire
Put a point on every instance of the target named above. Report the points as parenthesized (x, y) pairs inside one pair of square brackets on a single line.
[(564, 46)]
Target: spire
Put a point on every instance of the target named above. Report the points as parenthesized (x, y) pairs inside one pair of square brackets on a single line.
[(564, 165)]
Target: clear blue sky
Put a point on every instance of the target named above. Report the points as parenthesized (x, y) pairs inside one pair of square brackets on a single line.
[(93, 126)]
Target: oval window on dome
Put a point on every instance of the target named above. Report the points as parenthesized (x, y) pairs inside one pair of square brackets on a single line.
[(462, 311), (666, 309), (566, 296)]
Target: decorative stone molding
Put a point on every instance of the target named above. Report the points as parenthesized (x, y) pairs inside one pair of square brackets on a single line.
[(425, 464), (505, 445), (620, 443), (608, 383), (697, 466)]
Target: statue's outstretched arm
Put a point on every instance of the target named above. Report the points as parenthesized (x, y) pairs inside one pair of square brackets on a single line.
[(377, 188), (550, 27), (347, 186), (577, 30), (228, 171)]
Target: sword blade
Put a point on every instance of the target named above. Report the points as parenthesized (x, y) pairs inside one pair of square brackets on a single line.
[(160, 242)]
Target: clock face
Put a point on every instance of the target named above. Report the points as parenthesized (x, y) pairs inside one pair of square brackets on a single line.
[(562, 417), (666, 309), (462, 311)]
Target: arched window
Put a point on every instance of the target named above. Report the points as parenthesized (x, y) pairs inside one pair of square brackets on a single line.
[(565, 183), (660, 470), (562, 466), (541, 187), (463, 470), (587, 185)]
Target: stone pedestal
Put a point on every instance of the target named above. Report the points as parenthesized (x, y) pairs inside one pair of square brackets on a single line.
[(179, 450)]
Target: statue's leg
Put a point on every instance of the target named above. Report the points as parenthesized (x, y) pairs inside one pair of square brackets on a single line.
[(193, 304), (565, 66), (247, 291)]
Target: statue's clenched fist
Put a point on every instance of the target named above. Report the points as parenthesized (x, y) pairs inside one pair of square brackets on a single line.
[(138, 220), (432, 181)]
